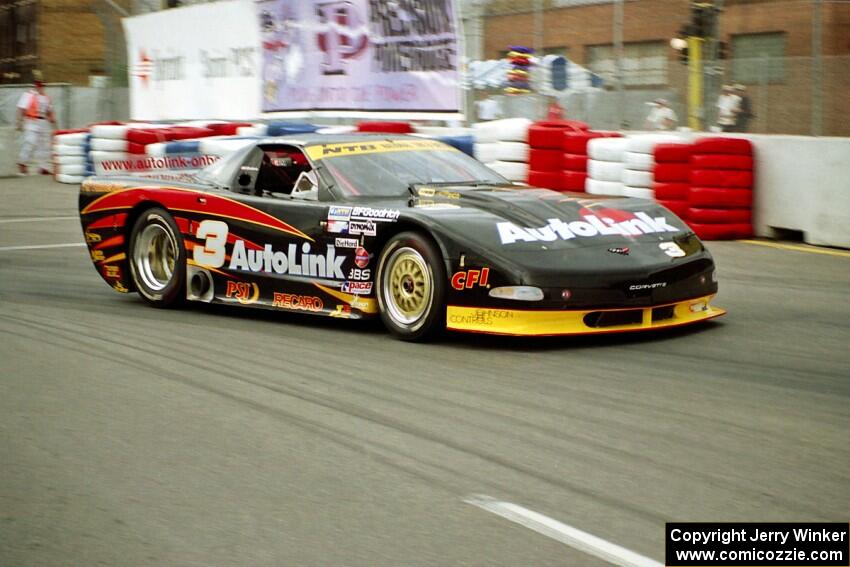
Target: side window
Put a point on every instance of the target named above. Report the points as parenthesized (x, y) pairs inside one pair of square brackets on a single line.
[(245, 180), (280, 168)]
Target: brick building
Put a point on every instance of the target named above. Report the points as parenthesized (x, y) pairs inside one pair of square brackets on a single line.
[(769, 50), (68, 40)]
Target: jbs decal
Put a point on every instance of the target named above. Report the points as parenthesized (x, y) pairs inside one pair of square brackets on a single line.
[(243, 292), (357, 288), (293, 262), (297, 302), (470, 278), (590, 226), (359, 274)]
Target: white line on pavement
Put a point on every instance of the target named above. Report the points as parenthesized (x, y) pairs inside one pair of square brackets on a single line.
[(567, 535), (37, 219), (40, 246)]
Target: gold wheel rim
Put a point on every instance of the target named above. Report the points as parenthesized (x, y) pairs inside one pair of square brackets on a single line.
[(408, 287)]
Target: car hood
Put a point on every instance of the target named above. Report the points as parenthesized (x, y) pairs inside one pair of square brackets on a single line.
[(532, 220)]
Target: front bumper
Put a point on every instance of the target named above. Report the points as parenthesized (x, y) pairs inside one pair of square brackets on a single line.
[(529, 322)]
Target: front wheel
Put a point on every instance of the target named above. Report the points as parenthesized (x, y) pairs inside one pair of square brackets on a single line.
[(158, 258), (412, 287)]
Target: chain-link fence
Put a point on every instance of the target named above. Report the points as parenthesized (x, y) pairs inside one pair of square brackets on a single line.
[(75, 107), (790, 95)]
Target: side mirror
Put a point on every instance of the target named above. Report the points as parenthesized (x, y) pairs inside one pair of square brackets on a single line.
[(306, 187)]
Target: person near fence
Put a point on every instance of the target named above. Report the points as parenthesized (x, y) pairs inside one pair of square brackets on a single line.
[(745, 109), (728, 108), (35, 120), (661, 117)]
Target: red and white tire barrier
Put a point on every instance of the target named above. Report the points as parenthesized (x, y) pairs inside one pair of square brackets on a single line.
[(720, 198)]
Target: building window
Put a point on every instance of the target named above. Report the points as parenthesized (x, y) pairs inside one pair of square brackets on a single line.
[(758, 58), (562, 51), (644, 63)]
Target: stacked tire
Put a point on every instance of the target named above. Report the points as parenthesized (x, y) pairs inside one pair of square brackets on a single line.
[(575, 158), (671, 176), (502, 145), (720, 197), (638, 164), (605, 166), (70, 156), (546, 153)]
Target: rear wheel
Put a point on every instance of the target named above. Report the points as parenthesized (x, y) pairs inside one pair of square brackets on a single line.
[(411, 291), (158, 258)]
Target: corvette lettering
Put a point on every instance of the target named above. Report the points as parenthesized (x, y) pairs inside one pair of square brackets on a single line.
[(589, 227), (638, 287), (470, 278), (292, 262)]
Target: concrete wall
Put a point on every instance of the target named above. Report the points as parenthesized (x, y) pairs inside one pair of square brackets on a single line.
[(803, 184)]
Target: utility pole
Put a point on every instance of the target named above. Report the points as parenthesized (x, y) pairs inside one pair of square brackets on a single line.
[(618, 57), (695, 82), (817, 68)]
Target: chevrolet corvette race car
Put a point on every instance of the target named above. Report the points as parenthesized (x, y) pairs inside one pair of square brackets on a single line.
[(407, 229)]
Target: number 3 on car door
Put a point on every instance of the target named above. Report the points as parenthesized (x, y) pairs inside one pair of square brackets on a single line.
[(212, 253)]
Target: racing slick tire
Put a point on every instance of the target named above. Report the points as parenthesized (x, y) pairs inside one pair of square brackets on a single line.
[(157, 258), (411, 292)]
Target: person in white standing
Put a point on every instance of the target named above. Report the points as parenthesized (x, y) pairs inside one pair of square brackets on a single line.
[(35, 119), (488, 109), (728, 107), (661, 117)]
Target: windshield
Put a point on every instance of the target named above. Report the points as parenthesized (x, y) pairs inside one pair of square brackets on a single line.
[(391, 173)]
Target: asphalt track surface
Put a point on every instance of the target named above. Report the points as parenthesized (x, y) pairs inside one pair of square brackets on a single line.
[(207, 436)]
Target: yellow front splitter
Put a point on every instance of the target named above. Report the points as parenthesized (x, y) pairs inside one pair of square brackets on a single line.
[(528, 322)]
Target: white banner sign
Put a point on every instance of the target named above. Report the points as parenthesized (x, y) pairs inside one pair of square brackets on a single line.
[(361, 55), (197, 62)]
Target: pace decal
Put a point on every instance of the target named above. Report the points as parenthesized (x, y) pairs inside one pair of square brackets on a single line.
[(357, 288), (470, 278), (245, 293), (297, 302), (592, 225)]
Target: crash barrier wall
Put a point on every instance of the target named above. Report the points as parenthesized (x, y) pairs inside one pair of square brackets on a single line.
[(8, 151), (802, 185)]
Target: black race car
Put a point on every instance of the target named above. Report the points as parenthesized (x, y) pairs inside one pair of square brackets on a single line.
[(405, 228)]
